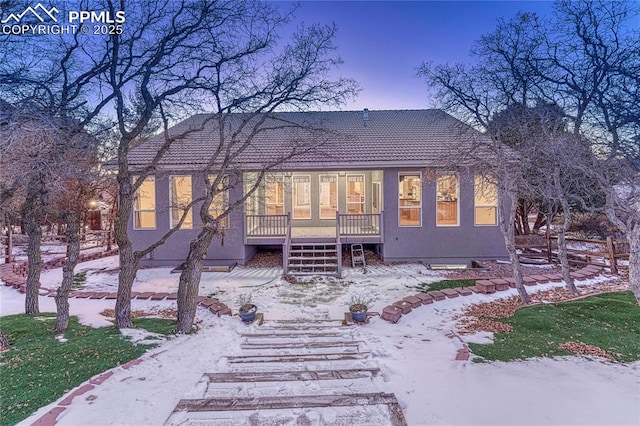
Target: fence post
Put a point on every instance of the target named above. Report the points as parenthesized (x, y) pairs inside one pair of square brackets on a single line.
[(9, 248), (612, 256)]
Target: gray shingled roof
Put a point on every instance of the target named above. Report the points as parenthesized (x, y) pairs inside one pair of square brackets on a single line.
[(339, 139)]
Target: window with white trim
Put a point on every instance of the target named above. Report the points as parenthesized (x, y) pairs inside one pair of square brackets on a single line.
[(301, 197), (410, 199), (144, 205), (274, 194), (220, 202), (328, 196), (485, 201), (447, 200), (180, 197), (355, 194)]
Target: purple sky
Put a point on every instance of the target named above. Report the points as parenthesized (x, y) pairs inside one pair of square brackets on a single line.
[(383, 42)]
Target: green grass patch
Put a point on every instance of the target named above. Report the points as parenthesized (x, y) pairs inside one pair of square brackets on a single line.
[(39, 368), (609, 321), (439, 285), (79, 280)]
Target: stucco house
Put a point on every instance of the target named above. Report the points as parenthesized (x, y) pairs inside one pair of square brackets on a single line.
[(375, 179)]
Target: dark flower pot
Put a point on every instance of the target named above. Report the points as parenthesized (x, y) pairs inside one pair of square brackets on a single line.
[(248, 312)]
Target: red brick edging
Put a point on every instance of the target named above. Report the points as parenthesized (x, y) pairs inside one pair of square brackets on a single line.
[(396, 310), (14, 275), (50, 417)]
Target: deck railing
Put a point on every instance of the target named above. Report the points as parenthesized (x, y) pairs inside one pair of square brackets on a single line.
[(351, 225), (267, 225), (347, 226)]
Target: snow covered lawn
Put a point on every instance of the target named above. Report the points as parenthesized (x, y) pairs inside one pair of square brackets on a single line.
[(416, 355)]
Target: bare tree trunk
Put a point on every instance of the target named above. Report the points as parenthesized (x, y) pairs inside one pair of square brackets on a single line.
[(519, 228), (631, 230), (633, 236), (541, 220), (129, 262), (507, 227), (566, 224), (72, 234), (522, 226), (562, 250), (4, 342), (190, 279), (34, 232)]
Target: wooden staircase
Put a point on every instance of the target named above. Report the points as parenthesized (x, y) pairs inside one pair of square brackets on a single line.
[(313, 259)]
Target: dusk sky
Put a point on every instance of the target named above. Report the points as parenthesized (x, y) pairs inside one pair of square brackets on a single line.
[(383, 43)]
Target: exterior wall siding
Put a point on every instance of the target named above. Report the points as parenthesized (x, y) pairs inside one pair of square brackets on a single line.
[(430, 243), (427, 243), (221, 251)]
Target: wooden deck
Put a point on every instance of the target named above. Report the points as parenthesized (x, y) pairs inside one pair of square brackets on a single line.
[(266, 230)]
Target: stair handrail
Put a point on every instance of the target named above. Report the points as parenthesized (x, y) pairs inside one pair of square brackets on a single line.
[(338, 246), (287, 245)]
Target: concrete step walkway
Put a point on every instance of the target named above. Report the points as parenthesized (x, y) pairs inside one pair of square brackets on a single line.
[(292, 372)]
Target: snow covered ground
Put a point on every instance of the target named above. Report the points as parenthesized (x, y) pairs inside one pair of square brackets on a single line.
[(50, 251), (416, 355)]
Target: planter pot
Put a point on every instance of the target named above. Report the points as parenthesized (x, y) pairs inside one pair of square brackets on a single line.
[(360, 316), (248, 313)]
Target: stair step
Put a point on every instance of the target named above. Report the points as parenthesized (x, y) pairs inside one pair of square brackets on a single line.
[(312, 247), (299, 251), (303, 326), (275, 402), (312, 258), (302, 335), (299, 345), (289, 352), (271, 342), (312, 266), (297, 357), (309, 273), (291, 388), (378, 415), (291, 376), (304, 321), (297, 327)]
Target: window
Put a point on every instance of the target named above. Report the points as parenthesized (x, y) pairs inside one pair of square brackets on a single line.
[(274, 189), (355, 194), (485, 201), (220, 201), (301, 197), (180, 198), (410, 199), (447, 205), (328, 196), (144, 205), (376, 197)]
